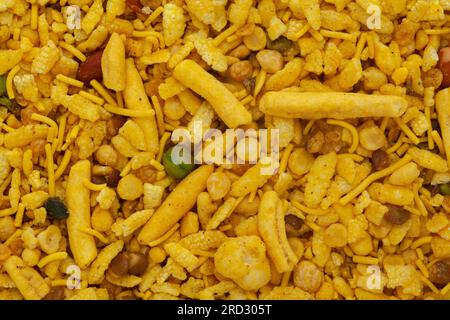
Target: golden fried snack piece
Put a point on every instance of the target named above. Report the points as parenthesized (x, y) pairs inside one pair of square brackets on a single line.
[(29, 282), (113, 64), (179, 201), (136, 98), (336, 105), (272, 229), (443, 111), (229, 109), (82, 244)]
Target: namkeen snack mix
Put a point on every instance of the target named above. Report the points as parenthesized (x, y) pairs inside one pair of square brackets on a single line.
[(225, 149)]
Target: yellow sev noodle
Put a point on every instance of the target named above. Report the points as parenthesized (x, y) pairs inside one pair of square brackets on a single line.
[(95, 233), (72, 137), (353, 131), (50, 170), (77, 53), (164, 237), (70, 81), (135, 113), (19, 215), (92, 186), (372, 178), (9, 81), (52, 257), (105, 95), (63, 165)]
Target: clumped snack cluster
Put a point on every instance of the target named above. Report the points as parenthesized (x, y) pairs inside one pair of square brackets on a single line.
[(93, 204)]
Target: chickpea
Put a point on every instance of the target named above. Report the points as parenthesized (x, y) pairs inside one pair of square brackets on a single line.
[(240, 71), (31, 256), (257, 40), (247, 208), (432, 78), (380, 160), (300, 161), (271, 61), (397, 215), (119, 265), (372, 138), (130, 187), (336, 236), (440, 272), (363, 246), (106, 155), (157, 254), (307, 276), (218, 185), (101, 219), (173, 109), (241, 52), (138, 263)]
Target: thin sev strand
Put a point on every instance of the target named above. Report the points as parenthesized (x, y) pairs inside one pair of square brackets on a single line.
[(437, 138), (284, 159), (159, 114), (372, 178), (91, 97), (92, 186), (50, 170), (51, 257), (164, 237), (102, 92), (420, 242), (407, 130), (349, 127), (162, 144), (153, 16), (9, 82), (63, 165), (305, 209), (77, 53), (95, 233), (69, 81), (19, 215), (134, 113)]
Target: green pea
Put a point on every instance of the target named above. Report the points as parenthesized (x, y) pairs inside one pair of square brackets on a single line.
[(2, 85), (56, 208), (177, 171), (11, 105), (445, 189)]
